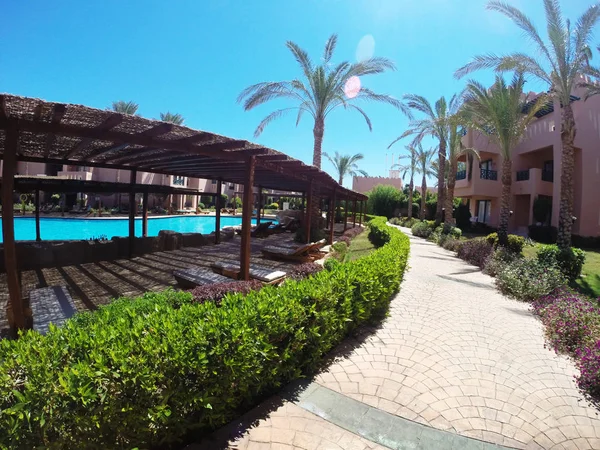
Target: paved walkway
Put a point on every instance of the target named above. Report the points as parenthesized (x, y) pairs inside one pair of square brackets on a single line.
[(454, 360)]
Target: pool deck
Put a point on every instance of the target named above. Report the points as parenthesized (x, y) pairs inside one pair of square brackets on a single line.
[(95, 284)]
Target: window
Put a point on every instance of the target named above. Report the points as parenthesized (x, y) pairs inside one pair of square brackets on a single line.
[(484, 209), (213, 181), (486, 165)]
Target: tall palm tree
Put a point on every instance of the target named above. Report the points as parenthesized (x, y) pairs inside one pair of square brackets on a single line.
[(346, 165), (502, 112), (177, 119), (322, 89), (425, 160), (435, 123), (557, 62), (411, 168), (124, 107), (455, 151)]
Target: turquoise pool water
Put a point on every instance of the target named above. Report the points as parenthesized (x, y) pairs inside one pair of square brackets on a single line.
[(71, 228)]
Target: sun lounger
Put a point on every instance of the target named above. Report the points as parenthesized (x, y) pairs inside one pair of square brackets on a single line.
[(50, 305), (264, 274), (260, 230), (291, 225), (196, 276), (303, 253)]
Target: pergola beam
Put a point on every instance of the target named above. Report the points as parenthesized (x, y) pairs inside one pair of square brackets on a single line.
[(111, 122)]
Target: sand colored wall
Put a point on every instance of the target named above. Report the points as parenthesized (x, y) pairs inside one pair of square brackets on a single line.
[(365, 184)]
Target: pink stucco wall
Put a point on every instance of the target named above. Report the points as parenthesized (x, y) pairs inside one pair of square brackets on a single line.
[(365, 184)]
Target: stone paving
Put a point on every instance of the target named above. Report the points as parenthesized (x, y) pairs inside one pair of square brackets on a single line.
[(456, 355)]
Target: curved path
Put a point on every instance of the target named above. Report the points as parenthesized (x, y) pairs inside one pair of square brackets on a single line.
[(455, 356)]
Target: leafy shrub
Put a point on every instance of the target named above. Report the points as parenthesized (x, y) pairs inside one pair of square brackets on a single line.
[(142, 373), (526, 279), (570, 261), (216, 292), (498, 260), (515, 243), (396, 221), (305, 270), (331, 264), (451, 244), (340, 248), (541, 209), (273, 205), (201, 205), (462, 214), (384, 200), (543, 234), (423, 229), (406, 222), (475, 251), (571, 319)]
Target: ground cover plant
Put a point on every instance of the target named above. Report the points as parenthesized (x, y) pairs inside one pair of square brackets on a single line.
[(147, 372)]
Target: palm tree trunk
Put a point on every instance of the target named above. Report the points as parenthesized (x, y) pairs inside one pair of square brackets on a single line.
[(441, 180), (410, 198), (316, 217), (423, 197), (318, 131), (565, 217), (449, 200), (505, 202)]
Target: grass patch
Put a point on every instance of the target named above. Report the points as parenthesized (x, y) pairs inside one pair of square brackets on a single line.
[(589, 282), (359, 246)]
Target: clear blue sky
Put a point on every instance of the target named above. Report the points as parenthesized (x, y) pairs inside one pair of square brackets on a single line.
[(194, 58)]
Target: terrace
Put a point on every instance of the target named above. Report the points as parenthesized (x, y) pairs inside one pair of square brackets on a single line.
[(33, 130)]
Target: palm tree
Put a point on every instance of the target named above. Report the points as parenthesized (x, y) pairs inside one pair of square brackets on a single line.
[(325, 87), (177, 119), (411, 169), (125, 107), (346, 165), (455, 151), (425, 159), (557, 62), (434, 124), (503, 113)]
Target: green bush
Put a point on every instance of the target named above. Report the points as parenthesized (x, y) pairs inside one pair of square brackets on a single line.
[(526, 279), (201, 205), (423, 229), (569, 261), (515, 243), (449, 243), (273, 205), (149, 371), (462, 214), (384, 200), (396, 221), (340, 249), (498, 260)]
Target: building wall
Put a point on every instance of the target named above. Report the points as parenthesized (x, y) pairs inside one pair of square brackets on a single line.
[(365, 184)]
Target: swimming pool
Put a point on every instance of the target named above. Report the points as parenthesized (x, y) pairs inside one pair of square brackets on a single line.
[(59, 228)]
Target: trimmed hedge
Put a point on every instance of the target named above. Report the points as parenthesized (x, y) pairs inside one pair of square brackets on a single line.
[(150, 371), (570, 261), (515, 243)]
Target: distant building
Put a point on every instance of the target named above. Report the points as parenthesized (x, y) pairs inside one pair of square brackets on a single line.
[(365, 184)]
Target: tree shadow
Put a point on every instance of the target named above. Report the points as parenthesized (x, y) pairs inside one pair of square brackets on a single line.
[(587, 288), (469, 283), (466, 271)]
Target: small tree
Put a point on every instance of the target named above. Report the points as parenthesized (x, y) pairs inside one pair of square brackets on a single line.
[(384, 200)]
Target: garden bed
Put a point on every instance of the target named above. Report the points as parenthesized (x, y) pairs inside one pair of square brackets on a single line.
[(151, 371)]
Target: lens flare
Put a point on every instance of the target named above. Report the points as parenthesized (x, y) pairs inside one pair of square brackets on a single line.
[(352, 87), (365, 48)]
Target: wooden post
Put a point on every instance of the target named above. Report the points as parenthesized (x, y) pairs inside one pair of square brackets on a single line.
[(145, 214), (362, 212), (8, 226), (259, 205), (218, 213), (354, 213), (247, 220), (63, 204), (132, 211), (37, 216), (308, 212), (331, 217), (234, 201), (346, 214)]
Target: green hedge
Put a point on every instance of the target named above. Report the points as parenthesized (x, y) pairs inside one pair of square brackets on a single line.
[(152, 371)]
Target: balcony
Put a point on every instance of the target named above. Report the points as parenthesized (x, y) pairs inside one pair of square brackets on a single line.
[(533, 181), (548, 175), (486, 174), (461, 175), (523, 175), (178, 181), (75, 174)]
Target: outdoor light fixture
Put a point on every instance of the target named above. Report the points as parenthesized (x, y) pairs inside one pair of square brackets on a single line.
[(574, 219), (510, 213)]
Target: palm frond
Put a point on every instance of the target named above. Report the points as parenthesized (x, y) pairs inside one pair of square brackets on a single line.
[(329, 48), (177, 119), (302, 58), (124, 107), (364, 114), (270, 118)]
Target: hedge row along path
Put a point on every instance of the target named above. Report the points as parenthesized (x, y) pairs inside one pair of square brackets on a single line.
[(456, 365)]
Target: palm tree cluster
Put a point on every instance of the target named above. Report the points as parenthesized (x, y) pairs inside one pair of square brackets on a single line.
[(131, 108)]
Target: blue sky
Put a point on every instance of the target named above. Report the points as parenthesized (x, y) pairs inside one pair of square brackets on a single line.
[(194, 58)]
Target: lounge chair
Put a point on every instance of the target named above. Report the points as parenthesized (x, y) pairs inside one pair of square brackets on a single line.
[(196, 276), (260, 273), (50, 305), (303, 253), (260, 230), (291, 225)]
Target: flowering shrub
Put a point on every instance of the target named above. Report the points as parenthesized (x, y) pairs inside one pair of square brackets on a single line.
[(449, 243), (344, 239), (570, 261), (396, 221), (526, 279), (423, 229), (589, 368), (216, 292), (571, 319), (304, 271), (498, 260), (353, 232), (475, 251)]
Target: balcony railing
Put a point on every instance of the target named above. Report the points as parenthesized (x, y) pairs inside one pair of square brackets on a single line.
[(522, 175), (461, 175), (178, 181), (486, 174), (548, 175)]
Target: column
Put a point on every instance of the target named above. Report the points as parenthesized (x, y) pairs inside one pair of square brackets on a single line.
[(346, 214), (145, 214), (307, 211), (37, 215), (259, 205), (331, 217), (354, 213)]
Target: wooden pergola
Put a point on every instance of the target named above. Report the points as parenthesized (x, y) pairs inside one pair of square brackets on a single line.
[(34, 130)]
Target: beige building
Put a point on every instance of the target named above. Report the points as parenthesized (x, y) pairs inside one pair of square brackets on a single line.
[(536, 169), (366, 184)]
